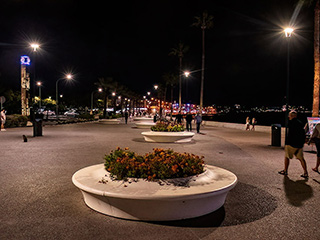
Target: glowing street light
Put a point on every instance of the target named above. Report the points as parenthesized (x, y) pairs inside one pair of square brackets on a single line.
[(35, 46), (288, 32), (156, 87), (186, 73)]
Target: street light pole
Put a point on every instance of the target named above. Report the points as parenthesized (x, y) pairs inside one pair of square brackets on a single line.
[(68, 77), (39, 85), (99, 90), (288, 34)]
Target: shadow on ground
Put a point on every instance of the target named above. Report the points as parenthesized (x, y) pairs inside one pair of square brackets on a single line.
[(244, 204), (297, 191)]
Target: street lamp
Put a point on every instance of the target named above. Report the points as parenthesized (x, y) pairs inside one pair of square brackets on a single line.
[(288, 33), (35, 46), (39, 85), (99, 90), (67, 77), (187, 74)]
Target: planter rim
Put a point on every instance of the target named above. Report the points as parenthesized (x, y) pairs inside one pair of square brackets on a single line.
[(207, 183), (159, 133)]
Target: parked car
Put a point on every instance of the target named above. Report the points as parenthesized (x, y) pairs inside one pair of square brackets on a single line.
[(48, 112), (71, 113)]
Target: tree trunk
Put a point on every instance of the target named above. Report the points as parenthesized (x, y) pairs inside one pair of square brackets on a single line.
[(202, 70), (315, 107)]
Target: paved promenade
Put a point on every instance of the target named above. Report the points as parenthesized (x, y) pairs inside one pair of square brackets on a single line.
[(39, 201)]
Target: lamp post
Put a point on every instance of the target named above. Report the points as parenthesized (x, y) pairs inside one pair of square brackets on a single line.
[(99, 90), (68, 77), (288, 33), (186, 74), (39, 85), (156, 87), (35, 47)]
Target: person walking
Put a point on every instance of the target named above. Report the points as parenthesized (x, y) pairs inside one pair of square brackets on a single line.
[(198, 121), (294, 144), (179, 118), (247, 123), (189, 121), (126, 116), (315, 137), (253, 123), (3, 119)]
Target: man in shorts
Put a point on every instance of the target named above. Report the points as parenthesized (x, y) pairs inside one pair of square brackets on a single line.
[(294, 144)]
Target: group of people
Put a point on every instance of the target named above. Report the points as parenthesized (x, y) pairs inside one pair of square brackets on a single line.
[(295, 140), (189, 117), (250, 126)]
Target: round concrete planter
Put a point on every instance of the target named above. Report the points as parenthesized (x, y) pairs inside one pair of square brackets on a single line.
[(143, 119), (138, 199), (167, 137), (110, 121), (145, 125)]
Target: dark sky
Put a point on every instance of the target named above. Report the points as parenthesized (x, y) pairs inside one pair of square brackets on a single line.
[(130, 41)]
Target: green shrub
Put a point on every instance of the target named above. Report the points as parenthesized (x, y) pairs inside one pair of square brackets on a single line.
[(16, 120)]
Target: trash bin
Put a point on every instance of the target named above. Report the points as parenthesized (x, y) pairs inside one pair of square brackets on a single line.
[(276, 135), (37, 127)]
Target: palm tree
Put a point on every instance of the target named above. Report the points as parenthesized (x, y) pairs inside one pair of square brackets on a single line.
[(171, 80), (107, 84), (316, 56), (204, 22), (179, 51), (316, 51)]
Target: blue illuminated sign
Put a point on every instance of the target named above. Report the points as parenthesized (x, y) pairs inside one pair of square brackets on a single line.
[(25, 60)]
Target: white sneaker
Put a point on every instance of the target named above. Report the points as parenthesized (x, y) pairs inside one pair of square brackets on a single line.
[(3, 130)]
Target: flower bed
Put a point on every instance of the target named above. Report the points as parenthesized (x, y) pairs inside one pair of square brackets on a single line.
[(160, 164), (167, 127)]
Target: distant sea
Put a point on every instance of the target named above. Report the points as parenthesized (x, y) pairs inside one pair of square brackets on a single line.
[(262, 118)]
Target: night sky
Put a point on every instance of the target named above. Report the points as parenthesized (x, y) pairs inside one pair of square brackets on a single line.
[(246, 52)]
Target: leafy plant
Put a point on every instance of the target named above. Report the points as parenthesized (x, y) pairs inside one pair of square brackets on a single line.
[(16, 120), (160, 164), (167, 127)]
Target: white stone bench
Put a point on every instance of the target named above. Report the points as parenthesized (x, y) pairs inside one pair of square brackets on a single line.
[(143, 119), (146, 124), (139, 199), (167, 137)]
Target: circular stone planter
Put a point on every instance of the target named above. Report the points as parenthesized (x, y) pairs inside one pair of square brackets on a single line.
[(167, 137), (143, 119), (110, 121), (145, 125), (138, 199)]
